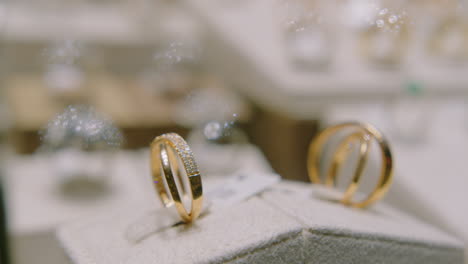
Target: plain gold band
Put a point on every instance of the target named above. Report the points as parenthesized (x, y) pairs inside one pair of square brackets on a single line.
[(165, 150), (364, 135)]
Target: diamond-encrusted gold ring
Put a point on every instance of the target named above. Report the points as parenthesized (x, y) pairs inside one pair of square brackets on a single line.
[(168, 153)]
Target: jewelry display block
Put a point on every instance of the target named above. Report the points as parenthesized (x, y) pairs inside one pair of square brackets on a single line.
[(429, 180), (285, 224), (37, 206), (249, 35)]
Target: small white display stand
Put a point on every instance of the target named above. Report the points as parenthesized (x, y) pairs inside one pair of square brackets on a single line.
[(285, 224)]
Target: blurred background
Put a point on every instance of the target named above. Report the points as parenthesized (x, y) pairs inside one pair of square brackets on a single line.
[(86, 85)]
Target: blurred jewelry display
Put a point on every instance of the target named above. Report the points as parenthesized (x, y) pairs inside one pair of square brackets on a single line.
[(63, 75), (203, 104), (385, 41), (176, 62), (362, 134), (307, 37), (219, 141), (212, 114), (80, 143), (175, 70), (168, 153), (410, 114), (449, 40)]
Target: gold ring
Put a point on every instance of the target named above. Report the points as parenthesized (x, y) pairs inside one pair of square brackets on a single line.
[(168, 152), (364, 134)]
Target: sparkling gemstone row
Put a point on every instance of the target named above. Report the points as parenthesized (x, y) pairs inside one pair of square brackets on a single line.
[(184, 152)]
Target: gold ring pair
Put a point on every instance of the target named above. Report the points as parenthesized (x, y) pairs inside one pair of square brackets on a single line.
[(170, 152)]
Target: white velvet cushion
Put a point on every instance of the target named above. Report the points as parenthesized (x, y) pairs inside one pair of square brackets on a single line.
[(283, 225)]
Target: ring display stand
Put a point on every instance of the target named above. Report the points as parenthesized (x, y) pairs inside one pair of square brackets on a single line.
[(38, 207), (285, 224)]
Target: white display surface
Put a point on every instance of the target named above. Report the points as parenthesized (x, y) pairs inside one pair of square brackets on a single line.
[(430, 175), (248, 35), (283, 225), (37, 207)]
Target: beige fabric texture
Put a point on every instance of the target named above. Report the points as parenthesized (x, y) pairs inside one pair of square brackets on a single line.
[(285, 224)]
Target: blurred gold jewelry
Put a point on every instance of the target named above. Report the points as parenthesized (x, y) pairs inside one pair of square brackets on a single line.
[(166, 152), (364, 134), (450, 39), (385, 42)]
